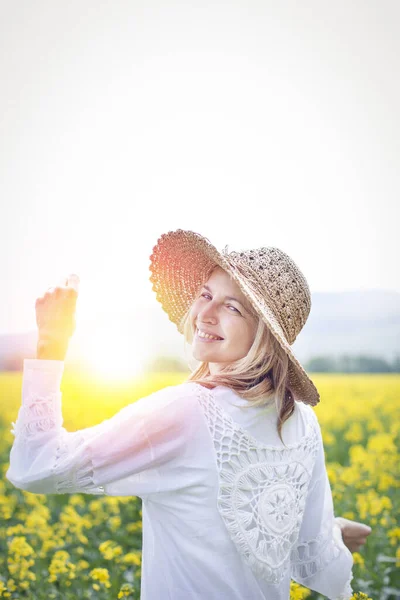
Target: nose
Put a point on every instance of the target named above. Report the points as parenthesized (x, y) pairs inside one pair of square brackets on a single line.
[(207, 314)]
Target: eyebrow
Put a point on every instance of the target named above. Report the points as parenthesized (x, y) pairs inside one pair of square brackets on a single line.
[(227, 297)]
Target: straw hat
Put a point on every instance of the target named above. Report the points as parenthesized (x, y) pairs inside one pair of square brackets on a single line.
[(268, 277)]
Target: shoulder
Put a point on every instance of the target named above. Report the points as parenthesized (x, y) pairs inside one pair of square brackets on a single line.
[(308, 416), (175, 402), (169, 394), (306, 411), (181, 393)]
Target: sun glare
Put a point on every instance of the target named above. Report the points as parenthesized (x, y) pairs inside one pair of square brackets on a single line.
[(111, 356)]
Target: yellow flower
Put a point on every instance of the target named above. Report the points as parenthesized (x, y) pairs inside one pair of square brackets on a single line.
[(2, 588), (132, 558), (60, 565), (373, 504), (77, 500), (382, 442), (386, 481), (350, 475), (125, 591), (375, 425), (394, 536), (358, 559), (24, 585), (82, 538), (358, 455), (328, 438), (298, 592), (332, 474), (349, 514), (11, 585), (354, 433), (18, 562), (20, 546), (114, 523), (101, 575), (134, 527), (11, 531), (110, 549)]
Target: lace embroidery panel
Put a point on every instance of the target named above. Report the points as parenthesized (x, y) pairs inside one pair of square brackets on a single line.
[(262, 489), (38, 414), (72, 469), (308, 558)]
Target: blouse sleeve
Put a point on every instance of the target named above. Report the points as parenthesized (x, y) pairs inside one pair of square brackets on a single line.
[(320, 560), (135, 453)]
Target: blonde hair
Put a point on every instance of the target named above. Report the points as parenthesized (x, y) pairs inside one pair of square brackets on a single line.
[(259, 377)]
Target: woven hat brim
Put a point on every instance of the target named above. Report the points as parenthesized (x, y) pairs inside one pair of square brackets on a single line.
[(179, 265)]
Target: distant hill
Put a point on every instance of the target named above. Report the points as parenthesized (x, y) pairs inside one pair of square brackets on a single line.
[(355, 322), (15, 346), (358, 322)]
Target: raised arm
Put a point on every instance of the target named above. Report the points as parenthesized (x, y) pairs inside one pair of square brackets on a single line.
[(134, 453)]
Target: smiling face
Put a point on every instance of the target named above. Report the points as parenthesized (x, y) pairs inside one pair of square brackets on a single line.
[(221, 309)]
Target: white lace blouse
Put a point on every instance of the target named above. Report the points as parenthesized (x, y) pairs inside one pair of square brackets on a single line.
[(229, 513)]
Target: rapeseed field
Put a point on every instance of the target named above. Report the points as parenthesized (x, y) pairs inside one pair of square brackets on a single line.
[(80, 546)]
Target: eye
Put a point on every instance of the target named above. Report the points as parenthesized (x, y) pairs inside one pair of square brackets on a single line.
[(228, 305)]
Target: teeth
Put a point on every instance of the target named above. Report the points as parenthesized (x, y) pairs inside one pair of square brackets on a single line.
[(206, 335)]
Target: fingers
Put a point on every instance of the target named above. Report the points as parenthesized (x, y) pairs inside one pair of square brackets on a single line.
[(354, 527), (60, 294), (68, 287), (55, 310), (354, 534), (366, 531), (73, 281)]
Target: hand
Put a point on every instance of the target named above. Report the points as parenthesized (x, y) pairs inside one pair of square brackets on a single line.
[(354, 534), (55, 318)]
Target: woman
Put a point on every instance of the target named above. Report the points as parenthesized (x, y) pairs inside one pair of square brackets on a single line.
[(229, 464)]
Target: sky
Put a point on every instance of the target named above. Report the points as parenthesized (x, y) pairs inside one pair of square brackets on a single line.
[(254, 123)]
